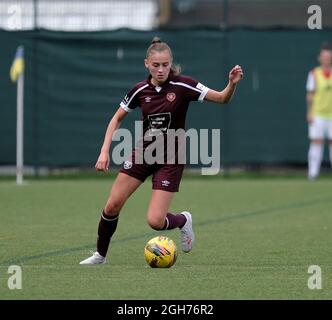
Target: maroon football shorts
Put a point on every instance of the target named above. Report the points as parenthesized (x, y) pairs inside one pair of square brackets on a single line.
[(165, 177)]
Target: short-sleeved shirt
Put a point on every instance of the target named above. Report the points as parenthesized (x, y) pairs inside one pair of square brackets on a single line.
[(319, 82), (164, 107)]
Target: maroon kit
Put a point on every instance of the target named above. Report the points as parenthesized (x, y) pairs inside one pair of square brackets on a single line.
[(163, 108)]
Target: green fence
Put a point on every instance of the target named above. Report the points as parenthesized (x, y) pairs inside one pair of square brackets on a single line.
[(74, 82)]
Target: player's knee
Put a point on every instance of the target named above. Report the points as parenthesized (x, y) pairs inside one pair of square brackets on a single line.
[(156, 224), (113, 207)]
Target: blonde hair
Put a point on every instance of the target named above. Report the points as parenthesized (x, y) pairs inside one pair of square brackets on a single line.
[(157, 46)]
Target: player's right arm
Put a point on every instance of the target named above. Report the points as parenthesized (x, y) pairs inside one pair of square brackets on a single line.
[(310, 95), (309, 98), (128, 104), (103, 161)]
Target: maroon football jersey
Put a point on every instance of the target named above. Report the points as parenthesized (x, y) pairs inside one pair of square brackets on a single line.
[(163, 107)]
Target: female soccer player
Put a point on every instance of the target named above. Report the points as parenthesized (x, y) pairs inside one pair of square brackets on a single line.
[(164, 99), (319, 110)]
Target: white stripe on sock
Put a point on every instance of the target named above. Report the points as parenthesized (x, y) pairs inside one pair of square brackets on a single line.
[(167, 223), (112, 219)]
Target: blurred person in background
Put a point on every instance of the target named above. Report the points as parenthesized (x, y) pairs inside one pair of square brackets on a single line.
[(319, 110), (175, 12), (165, 12)]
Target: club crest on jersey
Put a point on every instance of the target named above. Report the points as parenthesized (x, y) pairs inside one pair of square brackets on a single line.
[(171, 96)]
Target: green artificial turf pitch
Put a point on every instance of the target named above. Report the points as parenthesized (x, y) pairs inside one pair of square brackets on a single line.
[(255, 239)]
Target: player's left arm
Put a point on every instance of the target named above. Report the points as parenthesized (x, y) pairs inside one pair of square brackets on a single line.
[(224, 96)]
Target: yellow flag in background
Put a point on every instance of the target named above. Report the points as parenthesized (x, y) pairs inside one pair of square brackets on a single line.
[(17, 67)]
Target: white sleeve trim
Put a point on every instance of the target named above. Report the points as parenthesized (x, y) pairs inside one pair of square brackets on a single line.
[(185, 85), (125, 108), (204, 91), (311, 83)]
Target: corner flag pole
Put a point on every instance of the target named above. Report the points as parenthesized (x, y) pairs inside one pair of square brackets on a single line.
[(19, 130), (17, 74)]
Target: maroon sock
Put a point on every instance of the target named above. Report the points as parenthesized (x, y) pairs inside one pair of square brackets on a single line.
[(173, 221), (106, 228)]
